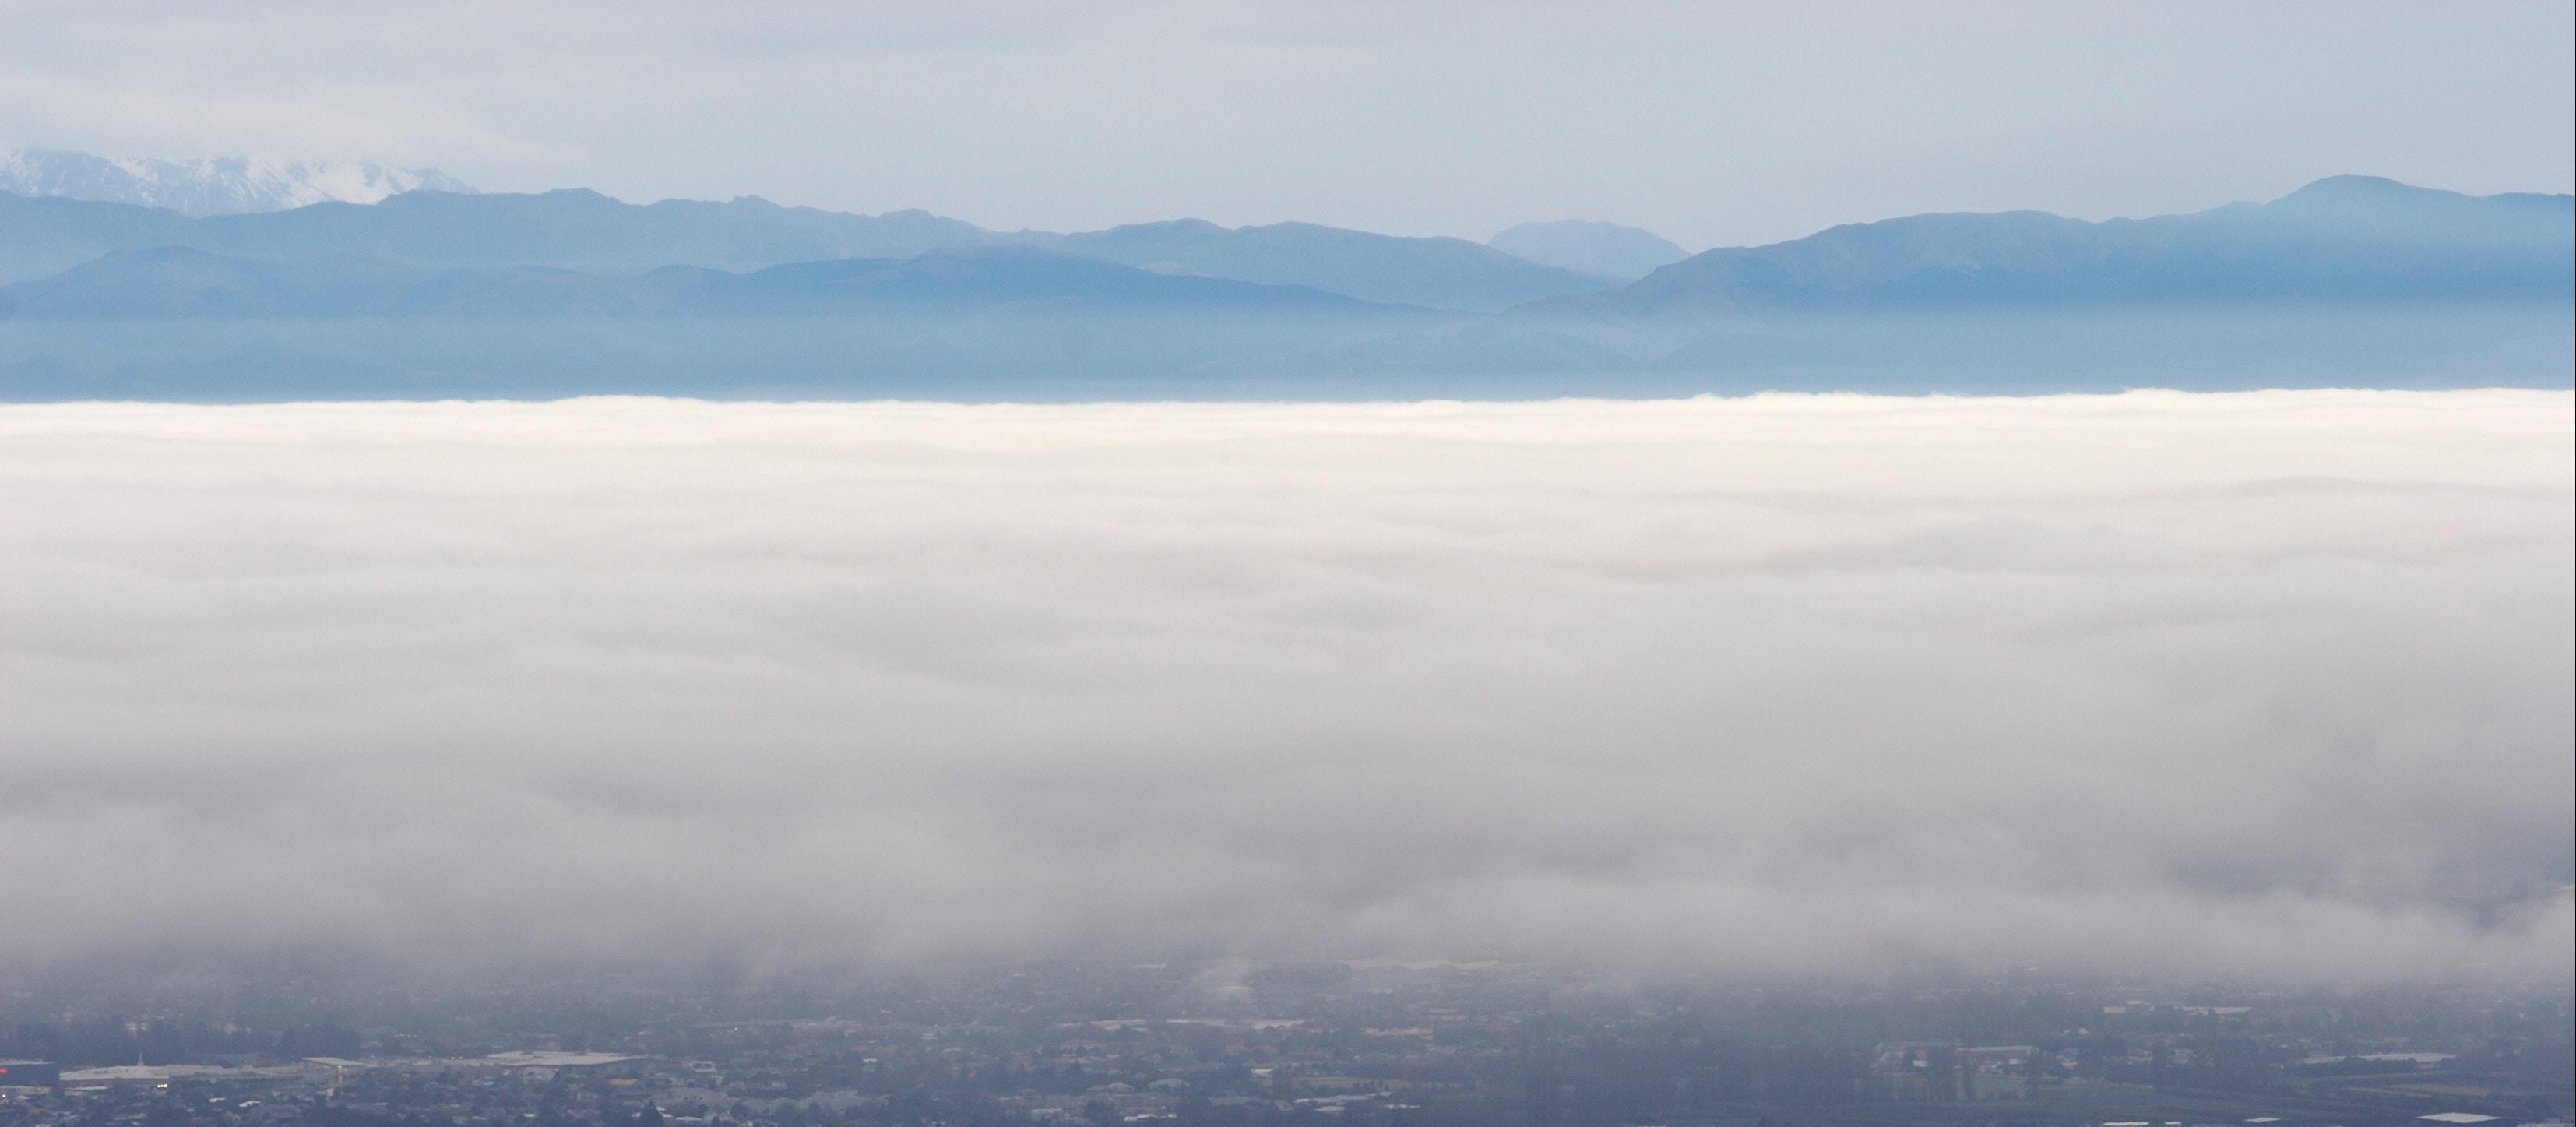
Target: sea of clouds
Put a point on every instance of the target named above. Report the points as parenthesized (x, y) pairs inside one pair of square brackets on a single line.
[(2276, 684)]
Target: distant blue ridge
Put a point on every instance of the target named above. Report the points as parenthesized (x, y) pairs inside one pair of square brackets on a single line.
[(2351, 281)]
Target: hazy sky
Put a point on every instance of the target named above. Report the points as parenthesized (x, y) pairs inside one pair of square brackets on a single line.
[(2270, 683), (1710, 123)]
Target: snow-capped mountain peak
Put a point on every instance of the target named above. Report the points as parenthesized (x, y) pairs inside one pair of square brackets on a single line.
[(212, 185)]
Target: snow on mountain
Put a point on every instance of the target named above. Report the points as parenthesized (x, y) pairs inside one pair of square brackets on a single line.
[(212, 185)]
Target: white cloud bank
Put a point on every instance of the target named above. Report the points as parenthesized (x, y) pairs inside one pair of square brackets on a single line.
[(2275, 683)]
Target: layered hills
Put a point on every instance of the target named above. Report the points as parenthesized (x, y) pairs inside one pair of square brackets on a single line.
[(2351, 280)]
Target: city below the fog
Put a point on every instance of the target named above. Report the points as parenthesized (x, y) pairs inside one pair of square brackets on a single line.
[(1343, 1043)]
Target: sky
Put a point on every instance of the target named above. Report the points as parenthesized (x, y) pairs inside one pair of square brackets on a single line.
[(1712, 124), (2268, 684)]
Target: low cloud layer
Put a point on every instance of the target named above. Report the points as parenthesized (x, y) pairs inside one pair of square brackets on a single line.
[(2275, 683)]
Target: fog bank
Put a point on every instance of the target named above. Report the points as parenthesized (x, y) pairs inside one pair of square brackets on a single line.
[(2275, 683)]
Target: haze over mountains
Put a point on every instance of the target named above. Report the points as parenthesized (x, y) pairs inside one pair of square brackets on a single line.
[(180, 282), (1440, 273), (2351, 280), (1591, 247)]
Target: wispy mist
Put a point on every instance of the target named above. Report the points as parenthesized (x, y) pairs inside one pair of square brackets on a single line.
[(2274, 683)]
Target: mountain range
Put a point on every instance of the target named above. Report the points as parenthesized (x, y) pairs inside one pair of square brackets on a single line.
[(213, 185), (575, 229), (2349, 280), (2342, 239), (572, 229)]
